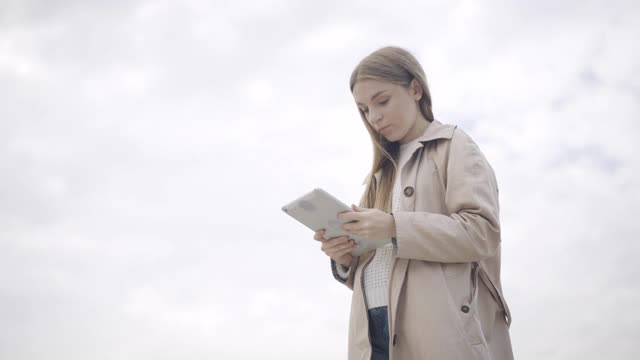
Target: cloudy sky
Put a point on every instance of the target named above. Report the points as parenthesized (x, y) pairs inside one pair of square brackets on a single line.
[(146, 148)]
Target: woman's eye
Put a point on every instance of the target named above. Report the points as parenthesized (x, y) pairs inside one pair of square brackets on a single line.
[(384, 102)]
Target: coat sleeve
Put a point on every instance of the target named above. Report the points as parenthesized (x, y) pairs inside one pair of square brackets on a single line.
[(350, 273), (471, 230)]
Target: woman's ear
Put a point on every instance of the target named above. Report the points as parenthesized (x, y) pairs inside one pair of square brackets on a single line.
[(417, 89)]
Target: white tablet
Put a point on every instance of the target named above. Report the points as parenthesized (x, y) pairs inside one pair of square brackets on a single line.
[(318, 209)]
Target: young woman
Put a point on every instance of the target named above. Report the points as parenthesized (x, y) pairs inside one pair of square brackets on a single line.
[(434, 291)]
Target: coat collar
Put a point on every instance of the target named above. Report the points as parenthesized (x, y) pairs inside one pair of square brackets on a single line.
[(435, 130)]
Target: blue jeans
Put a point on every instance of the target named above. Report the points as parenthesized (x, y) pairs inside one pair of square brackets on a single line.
[(379, 332)]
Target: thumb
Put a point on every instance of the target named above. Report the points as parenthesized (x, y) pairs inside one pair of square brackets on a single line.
[(357, 208)]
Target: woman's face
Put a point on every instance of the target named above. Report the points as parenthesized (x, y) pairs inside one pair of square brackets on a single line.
[(390, 109)]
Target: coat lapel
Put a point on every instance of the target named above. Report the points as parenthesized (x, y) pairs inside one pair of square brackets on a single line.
[(435, 130)]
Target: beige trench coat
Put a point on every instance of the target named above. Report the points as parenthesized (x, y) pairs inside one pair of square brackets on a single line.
[(445, 295)]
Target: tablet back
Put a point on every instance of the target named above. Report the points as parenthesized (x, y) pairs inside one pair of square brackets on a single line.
[(318, 209)]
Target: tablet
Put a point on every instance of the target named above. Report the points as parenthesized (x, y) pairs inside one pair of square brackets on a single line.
[(317, 210)]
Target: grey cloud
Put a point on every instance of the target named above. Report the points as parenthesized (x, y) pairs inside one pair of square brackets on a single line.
[(567, 155), (140, 182)]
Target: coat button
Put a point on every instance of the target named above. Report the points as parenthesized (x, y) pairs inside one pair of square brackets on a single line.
[(465, 309), (408, 191)]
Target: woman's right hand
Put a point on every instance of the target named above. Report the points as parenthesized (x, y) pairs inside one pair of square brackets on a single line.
[(337, 248)]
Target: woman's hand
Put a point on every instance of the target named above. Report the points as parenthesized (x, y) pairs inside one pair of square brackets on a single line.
[(372, 224), (337, 248)]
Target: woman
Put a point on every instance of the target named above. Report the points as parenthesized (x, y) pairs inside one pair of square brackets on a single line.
[(434, 291)]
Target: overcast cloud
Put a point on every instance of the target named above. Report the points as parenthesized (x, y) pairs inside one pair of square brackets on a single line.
[(146, 148)]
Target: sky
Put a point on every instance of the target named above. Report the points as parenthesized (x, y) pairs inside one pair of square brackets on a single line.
[(147, 147)]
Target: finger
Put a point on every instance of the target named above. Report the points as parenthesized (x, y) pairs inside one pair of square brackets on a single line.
[(339, 248), (350, 245), (346, 245), (353, 227), (348, 216), (343, 252), (319, 235), (346, 251), (359, 229), (338, 240), (332, 243), (331, 250)]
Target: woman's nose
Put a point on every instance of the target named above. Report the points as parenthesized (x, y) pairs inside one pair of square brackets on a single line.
[(375, 117)]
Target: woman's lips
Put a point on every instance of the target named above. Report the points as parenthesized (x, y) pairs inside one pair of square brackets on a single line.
[(386, 128)]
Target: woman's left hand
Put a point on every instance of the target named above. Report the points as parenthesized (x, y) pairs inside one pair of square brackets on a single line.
[(372, 224)]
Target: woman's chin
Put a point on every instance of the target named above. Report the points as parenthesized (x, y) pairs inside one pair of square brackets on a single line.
[(388, 136)]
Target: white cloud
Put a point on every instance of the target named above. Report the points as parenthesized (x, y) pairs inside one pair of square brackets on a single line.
[(330, 38), (146, 149)]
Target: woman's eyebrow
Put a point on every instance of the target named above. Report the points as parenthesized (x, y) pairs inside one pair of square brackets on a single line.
[(374, 96)]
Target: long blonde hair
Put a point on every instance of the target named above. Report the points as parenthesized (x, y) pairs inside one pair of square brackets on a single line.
[(399, 66)]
